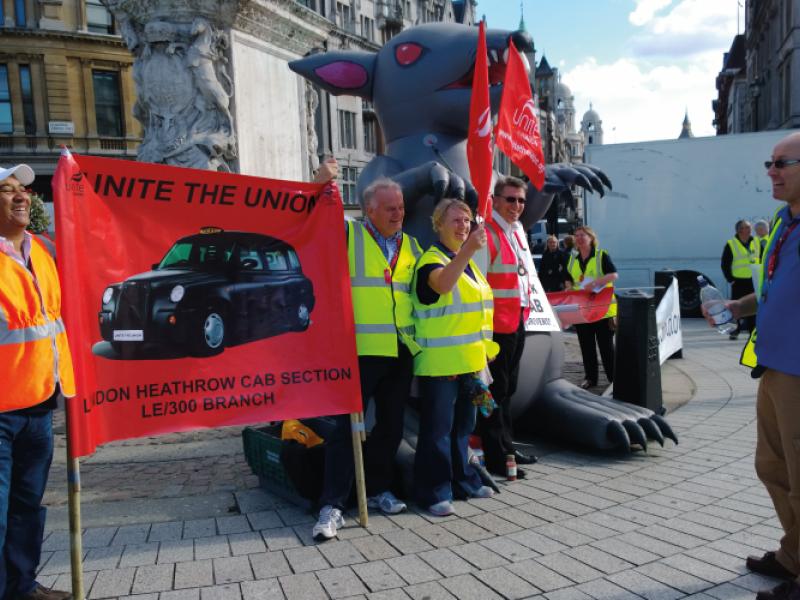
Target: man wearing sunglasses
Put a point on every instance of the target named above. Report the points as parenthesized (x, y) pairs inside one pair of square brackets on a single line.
[(773, 353), (35, 365), (510, 273)]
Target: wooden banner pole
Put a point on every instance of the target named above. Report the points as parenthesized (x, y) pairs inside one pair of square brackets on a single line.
[(357, 428), (75, 541)]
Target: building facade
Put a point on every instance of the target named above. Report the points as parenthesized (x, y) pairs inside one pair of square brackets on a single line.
[(65, 79)]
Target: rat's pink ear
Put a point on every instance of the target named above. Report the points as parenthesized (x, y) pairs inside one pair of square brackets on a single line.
[(339, 72)]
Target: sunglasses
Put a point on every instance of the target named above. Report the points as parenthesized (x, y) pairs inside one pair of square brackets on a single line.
[(511, 199), (781, 163)]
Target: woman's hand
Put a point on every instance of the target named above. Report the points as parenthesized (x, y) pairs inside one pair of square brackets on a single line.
[(475, 241)]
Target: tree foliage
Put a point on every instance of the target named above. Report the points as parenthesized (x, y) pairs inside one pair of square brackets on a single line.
[(40, 220)]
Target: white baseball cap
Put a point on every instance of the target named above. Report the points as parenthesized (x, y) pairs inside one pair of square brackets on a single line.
[(23, 173)]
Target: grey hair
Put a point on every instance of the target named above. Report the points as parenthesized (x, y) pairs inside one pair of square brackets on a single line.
[(382, 183), (761, 222)]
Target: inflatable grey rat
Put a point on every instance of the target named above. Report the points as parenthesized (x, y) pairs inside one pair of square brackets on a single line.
[(420, 83)]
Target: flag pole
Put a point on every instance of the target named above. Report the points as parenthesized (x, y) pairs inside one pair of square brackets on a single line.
[(357, 428), (74, 499)]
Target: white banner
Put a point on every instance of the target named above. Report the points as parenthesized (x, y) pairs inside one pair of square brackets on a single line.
[(542, 317), (668, 322)]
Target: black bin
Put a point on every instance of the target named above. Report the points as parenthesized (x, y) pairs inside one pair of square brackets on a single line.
[(637, 371)]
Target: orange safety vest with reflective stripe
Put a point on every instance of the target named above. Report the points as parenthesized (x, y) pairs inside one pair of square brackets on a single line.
[(503, 275), (34, 353)]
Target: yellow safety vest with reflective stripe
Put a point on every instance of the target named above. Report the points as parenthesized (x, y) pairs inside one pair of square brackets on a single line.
[(455, 333), (743, 258), (34, 353), (594, 269), (381, 305), (749, 358)]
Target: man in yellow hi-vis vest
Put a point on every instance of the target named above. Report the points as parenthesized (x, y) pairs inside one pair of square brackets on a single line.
[(35, 365), (739, 253), (773, 353), (381, 261)]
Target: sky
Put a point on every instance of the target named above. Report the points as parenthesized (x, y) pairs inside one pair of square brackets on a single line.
[(640, 63)]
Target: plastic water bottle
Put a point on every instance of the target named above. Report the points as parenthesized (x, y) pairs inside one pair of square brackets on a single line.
[(714, 303)]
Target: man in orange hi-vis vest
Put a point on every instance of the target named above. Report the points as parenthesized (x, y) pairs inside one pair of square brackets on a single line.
[(35, 366), (510, 274)]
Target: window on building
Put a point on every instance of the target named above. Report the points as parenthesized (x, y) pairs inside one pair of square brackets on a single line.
[(348, 185), (98, 18), (347, 129), (309, 3), (107, 103), (345, 16), (6, 123), (370, 136), (26, 87), (20, 15), (2, 15), (787, 88), (368, 28)]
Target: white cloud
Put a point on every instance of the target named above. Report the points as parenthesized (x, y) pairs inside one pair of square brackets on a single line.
[(646, 103), (645, 10)]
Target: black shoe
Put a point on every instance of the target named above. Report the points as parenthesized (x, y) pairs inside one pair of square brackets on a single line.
[(586, 384), (788, 590), (768, 565), (524, 459)]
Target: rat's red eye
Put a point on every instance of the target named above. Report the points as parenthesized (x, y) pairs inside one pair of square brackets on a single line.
[(407, 54)]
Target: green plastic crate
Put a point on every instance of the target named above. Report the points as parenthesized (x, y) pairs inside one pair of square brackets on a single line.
[(262, 449)]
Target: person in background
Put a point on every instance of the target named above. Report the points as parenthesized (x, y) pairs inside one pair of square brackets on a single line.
[(35, 368), (772, 352), (553, 268), (511, 274), (381, 261), (590, 268), (762, 233), (569, 245), (739, 253), (453, 323)]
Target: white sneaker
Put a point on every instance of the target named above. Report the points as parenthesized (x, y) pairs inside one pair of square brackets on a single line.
[(387, 503), (444, 508), (483, 492), (330, 519)]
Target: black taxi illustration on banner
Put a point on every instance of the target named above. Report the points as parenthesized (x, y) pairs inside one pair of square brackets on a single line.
[(211, 290)]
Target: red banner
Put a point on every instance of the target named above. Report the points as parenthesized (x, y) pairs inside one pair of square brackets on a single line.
[(517, 132), (580, 306), (479, 140), (197, 299)]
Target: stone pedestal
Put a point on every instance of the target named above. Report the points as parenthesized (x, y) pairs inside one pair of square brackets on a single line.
[(214, 90)]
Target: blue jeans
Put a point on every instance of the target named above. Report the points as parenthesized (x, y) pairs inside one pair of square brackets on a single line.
[(26, 450), (447, 419)]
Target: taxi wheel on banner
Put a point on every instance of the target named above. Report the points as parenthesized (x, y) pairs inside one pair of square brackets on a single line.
[(303, 319), (124, 350), (207, 336)]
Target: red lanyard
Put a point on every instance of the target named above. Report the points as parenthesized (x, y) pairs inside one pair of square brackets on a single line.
[(773, 258), (387, 273)]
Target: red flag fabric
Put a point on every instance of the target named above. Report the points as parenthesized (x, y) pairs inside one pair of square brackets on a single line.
[(195, 299), (517, 134), (580, 306), (479, 140)]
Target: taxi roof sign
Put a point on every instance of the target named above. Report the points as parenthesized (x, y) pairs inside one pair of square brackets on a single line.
[(211, 229)]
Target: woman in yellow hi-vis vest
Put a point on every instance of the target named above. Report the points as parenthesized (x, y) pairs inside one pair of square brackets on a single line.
[(591, 269), (453, 326)]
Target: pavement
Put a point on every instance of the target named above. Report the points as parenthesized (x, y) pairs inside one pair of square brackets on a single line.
[(181, 517)]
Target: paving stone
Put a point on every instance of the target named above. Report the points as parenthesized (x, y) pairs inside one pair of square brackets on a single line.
[(232, 569), (165, 532), (728, 591), (64, 581), (600, 589), (269, 564), (699, 568), (341, 582), (153, 578), (138, 555), (378, 575), (597, 559), (280, 538), (406, 541), (540, 576), (408, 520), (221, 592), (632, 554), (194, 574), (131, 535), (479, 555), (564, 535), (519, 517), (175, 551), (303, 560), (292, 515), (233, 524), (568, 594), (438, 536), (508, 548), (644, 586), (211, 547), (651, 544), (98, 537), (140, 597), (537, 542), (265, 519), (569, 567), (428, 591), (187, 594), (505, 583), (265, 589), (393, 594), (467, 587), (446, 562), (112, 583), (57, 540), (246, 543), (723, 560), (302, 587), (198, 528), (102, 559), (412, 569), (674, 578), (374, 547), (587, 528), (340, 554)]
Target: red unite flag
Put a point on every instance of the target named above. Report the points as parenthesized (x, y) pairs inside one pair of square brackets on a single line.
[(585, 306), (517, 131), (479, 142)]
